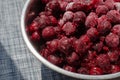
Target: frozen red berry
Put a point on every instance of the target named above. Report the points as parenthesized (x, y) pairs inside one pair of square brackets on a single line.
[(115, 68), (112, 40), (104, 26), (113, 16), (96, 71), (69, 68), (116, 29), (55, 60), (79, 17), (83, 70), (35, 37), (91, 20), (53, 21), (73, 58), (82, 44), (101, 10), (65, 45), (74, 6), (63, 5), (98, 46), (52, 45), (69, 28), (68, 16), (113, 55), (48, 33), (52, 6), (45, 53), (109, 4), (103, 61), (92, 33)]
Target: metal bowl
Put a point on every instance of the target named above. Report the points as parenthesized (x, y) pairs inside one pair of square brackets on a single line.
[(24, 21)]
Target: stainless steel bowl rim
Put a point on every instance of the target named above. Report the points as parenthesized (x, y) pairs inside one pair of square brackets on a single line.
[(50, 65)]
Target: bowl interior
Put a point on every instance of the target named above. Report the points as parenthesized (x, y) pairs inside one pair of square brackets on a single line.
[(36, 6)]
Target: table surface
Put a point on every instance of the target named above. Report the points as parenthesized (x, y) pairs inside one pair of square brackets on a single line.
[(16, 61)]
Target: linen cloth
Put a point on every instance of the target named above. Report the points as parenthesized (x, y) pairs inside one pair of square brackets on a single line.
[(16, 61)]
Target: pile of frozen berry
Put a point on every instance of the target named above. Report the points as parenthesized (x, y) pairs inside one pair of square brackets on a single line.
[(81, 36)]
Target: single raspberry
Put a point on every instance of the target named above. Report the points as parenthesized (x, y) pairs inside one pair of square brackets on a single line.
[(42, 21), (103, 61), (114, 55), (52, 45), (69, 28), (55, 60), (35, 37), (116, 29), (69, 68), (64, 45), (45, 53), (113, 16), (104, 27), (33, 27), (79, 17), (68, 16), (109, 4), (74, 6), (83, 70), (53, 21), (112, 40), (96, 71), (98, 46), (48, 33), (91, 20), (92, 33), (63, 5), (101, 10), (52, 6), (82, 44), (73, 58), (115, 68)]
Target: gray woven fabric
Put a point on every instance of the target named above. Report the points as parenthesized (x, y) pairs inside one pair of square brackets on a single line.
[(16, 62)]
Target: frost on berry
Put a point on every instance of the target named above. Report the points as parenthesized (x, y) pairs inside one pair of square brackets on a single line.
[(112, 40), (91, 20)]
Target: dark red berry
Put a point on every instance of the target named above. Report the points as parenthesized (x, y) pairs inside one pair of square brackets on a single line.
[(79, 17), (64, 45), (63, 5), (103, 61), (92, 33), (53, 20), (82, 44), (114, 55), (96, 71), (113, 16), (101, 10), (83, 70), (35, 37), (115, 68), (52, 45), (69, 68), (55, 60), (98, 46), (112, 40), (104, 26), (73, 58), (45, 53), (68, 16), (69, 28), (91, 20), (116, 29), (33, 27), (109, 4), (48, 33), (74, 6)]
